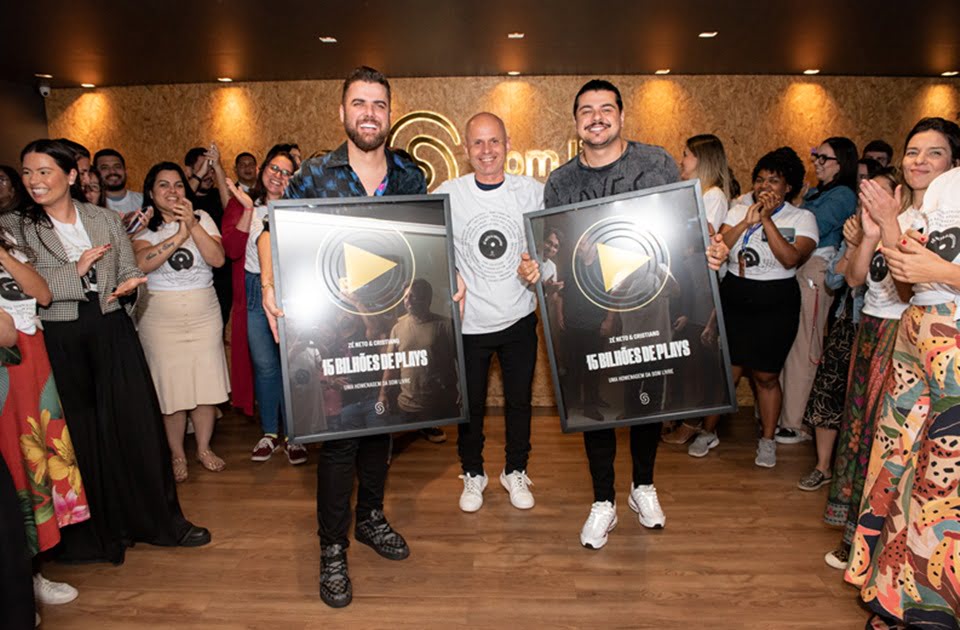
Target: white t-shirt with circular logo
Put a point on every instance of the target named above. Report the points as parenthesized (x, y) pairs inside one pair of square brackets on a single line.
[(940, 215), (20, 306), (489, 236), (185, 269), (881, 299), (761, 264)]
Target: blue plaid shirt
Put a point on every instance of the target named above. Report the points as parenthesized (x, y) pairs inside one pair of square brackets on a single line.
[(332, 176)]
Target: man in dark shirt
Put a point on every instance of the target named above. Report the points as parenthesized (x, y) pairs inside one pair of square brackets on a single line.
[(208, 181), (610, 165), (360, 167)]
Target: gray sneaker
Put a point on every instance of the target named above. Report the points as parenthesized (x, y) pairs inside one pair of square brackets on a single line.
[(766, 453), (702, 444)]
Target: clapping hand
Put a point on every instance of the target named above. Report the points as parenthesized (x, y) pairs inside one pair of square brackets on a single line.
[(769, 201), (89, 257), (239, 194), (852, 231), (126, 288), (880, 204), (183, 211)]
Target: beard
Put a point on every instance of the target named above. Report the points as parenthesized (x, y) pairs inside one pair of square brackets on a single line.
[(366, 143), (115, 187)]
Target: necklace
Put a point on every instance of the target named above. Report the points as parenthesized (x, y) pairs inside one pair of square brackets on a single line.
[(583, 155)]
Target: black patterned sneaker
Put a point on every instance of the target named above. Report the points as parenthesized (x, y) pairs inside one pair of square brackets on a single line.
[(335, 588), (377, 533)]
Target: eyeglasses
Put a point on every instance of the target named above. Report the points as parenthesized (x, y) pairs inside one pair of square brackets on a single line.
[(821, 159), (279, 171)]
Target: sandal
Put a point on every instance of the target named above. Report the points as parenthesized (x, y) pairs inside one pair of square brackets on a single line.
[(210, 461), (179, 469)]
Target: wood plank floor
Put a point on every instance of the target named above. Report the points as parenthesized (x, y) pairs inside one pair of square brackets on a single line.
[(743, 548)]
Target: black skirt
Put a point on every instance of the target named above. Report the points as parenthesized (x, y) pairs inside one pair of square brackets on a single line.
[(118, 435), (761, 318)]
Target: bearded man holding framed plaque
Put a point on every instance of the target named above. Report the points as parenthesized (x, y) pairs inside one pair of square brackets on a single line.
[(633, 272)]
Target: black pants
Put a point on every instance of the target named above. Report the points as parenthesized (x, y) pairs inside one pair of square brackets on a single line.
[(579, 383), (516, 349), (339, 462), (601, 446), (16, 581)]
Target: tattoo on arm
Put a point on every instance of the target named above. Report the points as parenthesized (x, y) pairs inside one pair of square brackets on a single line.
[(162, 248)]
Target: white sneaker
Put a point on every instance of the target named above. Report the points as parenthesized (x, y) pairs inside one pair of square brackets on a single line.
[(643, 500), (51, 593), (602, 520), (516, 483), (471, 499)]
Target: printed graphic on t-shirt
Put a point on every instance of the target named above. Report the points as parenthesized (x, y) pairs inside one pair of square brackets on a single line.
[(181, 260), (750, 256), (945, 244), (494, 243), (11, 291), (789, 234), (878, 267)]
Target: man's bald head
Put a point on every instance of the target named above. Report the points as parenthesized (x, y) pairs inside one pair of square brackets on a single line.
[(487, 146)]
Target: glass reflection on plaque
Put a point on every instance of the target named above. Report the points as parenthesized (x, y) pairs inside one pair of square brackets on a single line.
[(370, 338), (631, 311)]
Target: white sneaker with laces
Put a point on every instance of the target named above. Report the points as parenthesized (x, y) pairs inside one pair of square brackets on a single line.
[(643, 500), (471, 499), (517, 484), (602, 520), (51, 593)]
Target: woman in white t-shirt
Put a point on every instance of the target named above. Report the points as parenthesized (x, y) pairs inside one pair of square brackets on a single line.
[(907, 541), (705, 159), (926, 155), (760, 296), (180, 325), (254, 351)]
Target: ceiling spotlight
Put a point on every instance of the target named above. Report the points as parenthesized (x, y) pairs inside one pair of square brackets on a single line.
[(515, 35), (326, 39), (224, 79), (707, 35), (41, 75), (87, 85), (950, 73), (513, 73), (812, 71), (663, 71)]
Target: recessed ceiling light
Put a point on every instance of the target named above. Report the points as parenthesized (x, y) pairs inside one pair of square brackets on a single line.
[(950, 73), (515, 35), (514, 73), (326, 39), (224, 79), (663, 71), (707, 35), (41, 75), (87, 85), (812, 71)]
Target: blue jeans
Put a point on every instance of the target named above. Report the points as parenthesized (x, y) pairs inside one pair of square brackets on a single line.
[(267, 378)]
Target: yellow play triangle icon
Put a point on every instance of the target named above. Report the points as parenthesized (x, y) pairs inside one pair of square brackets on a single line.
[(617, 264), (363, 267)]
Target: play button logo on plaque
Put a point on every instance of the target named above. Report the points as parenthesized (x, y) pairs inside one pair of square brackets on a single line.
[(366, 272), (619, 265), (363, 267)]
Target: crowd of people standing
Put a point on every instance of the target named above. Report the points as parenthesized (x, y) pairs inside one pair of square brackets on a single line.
[(839, 301)]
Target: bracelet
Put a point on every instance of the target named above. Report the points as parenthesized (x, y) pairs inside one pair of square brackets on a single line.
[(266, 285)]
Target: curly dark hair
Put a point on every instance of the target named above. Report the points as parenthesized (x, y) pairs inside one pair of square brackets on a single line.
[(787, 164)]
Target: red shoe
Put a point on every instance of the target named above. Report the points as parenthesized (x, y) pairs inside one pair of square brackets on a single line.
[(264, 448), (296, 453)]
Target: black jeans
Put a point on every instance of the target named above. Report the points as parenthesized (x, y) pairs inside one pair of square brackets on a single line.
[(338, 463), (516, 349), (601, 446)]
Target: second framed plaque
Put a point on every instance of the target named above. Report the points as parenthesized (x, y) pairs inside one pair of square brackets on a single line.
[(370, 338), (631, 312)]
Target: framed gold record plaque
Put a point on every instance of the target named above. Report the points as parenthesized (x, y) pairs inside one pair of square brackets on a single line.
[(370, 338), (631, 312)]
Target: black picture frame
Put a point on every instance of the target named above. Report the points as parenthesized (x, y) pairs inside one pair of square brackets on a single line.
[(325, 334), (665, 226)]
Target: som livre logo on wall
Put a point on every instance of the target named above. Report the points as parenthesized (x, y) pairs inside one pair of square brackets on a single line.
[(433, 141)]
